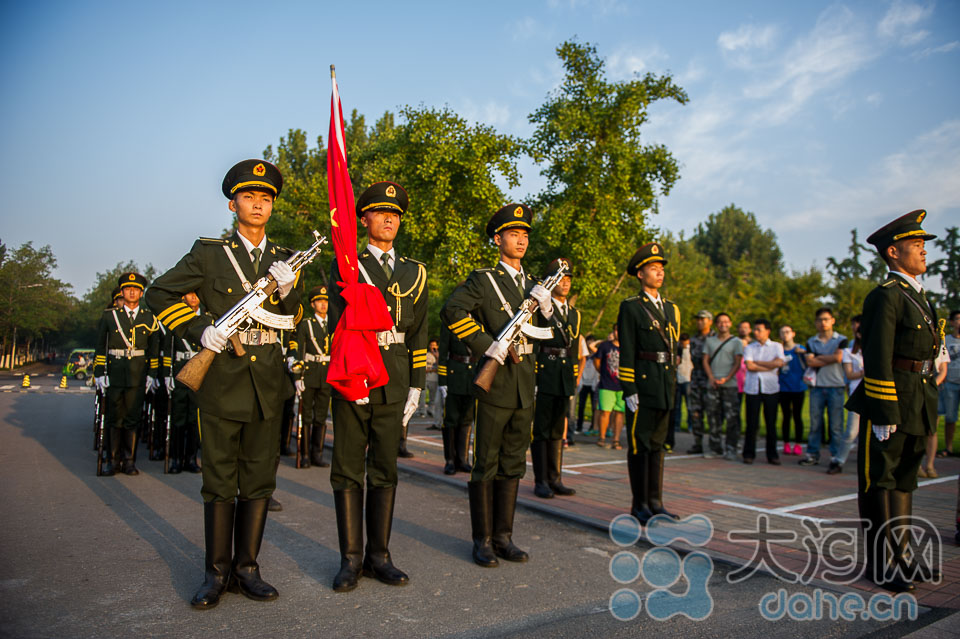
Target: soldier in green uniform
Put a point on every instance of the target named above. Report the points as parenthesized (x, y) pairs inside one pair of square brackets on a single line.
[(312, 347), (368, 433), (557, 361), (897, 401), (125, 367), (649, 327), (184, 433), (241, 398), (455, 372), (476, 312)]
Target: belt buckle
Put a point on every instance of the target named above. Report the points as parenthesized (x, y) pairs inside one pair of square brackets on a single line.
[(927, 367), (254, 339), (128, 353)]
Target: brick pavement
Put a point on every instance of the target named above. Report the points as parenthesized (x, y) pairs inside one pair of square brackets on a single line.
[(732, 495)]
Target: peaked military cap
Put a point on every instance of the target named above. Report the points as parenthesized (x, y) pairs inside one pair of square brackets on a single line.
[(117, 293), (905, 226), (132, 279), (511, 216), (318, 293), (649, 252), (252, 175), (554, 266), (383, 196)]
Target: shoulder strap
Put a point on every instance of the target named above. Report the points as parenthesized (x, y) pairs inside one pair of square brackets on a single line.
[(123, 335), (656, 324), (363, 272), (926, 316), (314, 339), (247, 286), (503, 300), (717, 352)]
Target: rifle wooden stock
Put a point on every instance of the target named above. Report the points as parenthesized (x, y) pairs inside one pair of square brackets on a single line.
[(193, 372), (488, 368)]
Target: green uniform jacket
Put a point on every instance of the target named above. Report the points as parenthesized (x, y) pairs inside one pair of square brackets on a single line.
[(406, 296), (176, 353), (314, 373), (456, 375), (893, 327), (475, 315), (653, 382), (143, 334), (233, 384), (558, 375)]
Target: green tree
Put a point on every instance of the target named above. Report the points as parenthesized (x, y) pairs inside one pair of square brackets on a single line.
[(849, 267), (734, 234), (948, 268), (603, 182), (83, 325), (32, 301)]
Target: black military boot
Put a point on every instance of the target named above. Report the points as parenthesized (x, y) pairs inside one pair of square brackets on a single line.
[(450, 465), (218, 538), (504, 506), (318, 438), (305, 445), (538, 456), (111, 450), (247, 536), (481, 522), (191, 444), (913, 567), (461, 449), (655, 485), (349, 507), (376, 560), (402, 451), (639, 486), (175, 450), (129, 441), (554, 465), (880, 545)]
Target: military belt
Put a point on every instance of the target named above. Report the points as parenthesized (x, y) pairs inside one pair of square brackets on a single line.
[(523, 349), (924, 367), (463, 359), (182, 355), (257, 337), (660, 357), (310, 357), (386, 338), (126, 353), (554, 352)]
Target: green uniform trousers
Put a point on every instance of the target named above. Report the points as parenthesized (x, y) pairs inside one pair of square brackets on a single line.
[(458, 410), (646, 429), (239, 458), (124, 405), (365, 437), (890, 464), (316, 403), (548, 416), (501, 441)]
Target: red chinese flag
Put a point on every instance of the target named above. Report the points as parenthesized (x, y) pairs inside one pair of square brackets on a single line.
[(356, 365)]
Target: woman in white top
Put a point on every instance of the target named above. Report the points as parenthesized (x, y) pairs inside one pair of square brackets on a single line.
[(853, 369)]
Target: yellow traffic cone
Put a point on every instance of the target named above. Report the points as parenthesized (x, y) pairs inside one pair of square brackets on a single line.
[(26, 382), (63, 382)]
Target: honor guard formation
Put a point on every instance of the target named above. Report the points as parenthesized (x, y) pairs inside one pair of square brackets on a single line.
[(229, 358)]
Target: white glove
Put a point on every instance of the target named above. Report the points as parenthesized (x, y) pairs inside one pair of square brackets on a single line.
[(542, 295), (442, 393), (171, 384), (102, 382), (413, 400), (497, 351), (883, 432), (363, 401), (632, 402), (284, 275), (151, 384), (213, 338), (300, 385)]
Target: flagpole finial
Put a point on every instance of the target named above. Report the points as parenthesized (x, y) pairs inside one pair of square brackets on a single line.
[(333, 71)]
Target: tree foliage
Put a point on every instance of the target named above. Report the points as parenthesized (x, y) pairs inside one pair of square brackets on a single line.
[(733, 234), (948, 268), (603, 181)]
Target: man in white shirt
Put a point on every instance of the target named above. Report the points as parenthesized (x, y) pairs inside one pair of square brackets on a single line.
[(763, 358)]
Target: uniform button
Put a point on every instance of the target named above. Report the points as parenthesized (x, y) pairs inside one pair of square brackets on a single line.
[(924, 381), (229, 290), (918, 327), (253, 358)]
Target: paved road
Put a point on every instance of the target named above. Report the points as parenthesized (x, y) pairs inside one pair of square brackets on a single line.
[(87, 557)]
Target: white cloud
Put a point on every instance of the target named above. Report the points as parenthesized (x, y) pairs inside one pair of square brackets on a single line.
[(874, 99), (603, 7), (491, 112), (528, 28), (943, 48), (748, 36), (625, 63), (901, 20)]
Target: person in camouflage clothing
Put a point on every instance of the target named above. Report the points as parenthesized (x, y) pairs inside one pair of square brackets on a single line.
[(699, 383)]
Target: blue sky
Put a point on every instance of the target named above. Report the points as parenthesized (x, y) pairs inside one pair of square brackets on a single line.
[(119, 119)]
